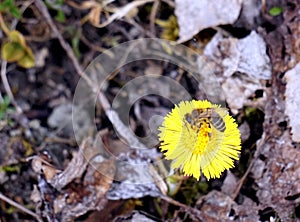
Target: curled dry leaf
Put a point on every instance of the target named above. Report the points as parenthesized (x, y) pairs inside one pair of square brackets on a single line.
[(76, 167), (238, 93), (194, 16), (39, 165), (247, 55), (242, 63), (122, 12)]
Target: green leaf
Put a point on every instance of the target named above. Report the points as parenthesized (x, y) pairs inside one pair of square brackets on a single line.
[(4, 107), (274, 11), (16, 36), (75, 46), (9, 6), (12, 51), (26, 61), (60, 17), (4, 6), (15, 12), (18, 51), (11, 169)]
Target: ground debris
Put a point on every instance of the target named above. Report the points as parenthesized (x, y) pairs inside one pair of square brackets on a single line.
[(134, 216), (284, 42), (217, 206), (80, 188), (133, 176), (276, 172), (243, 65), (277, 176), (247, 55), (292, 102), (194, 16)]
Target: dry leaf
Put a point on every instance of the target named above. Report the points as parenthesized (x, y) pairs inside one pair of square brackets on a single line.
[(122, 12), (247, 55), (194, 16), (76, 167), (217, 206)]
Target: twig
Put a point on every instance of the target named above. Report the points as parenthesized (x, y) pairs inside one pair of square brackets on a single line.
[(153, 16), (122, 12), (20, 207), (1, 98), (170, 3), (7, 87), (41, 6), (3, 25), (242, 180), (192, 211), (60, 140), (112, 115), (95, 47)]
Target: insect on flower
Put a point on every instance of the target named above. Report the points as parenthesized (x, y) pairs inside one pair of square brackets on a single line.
[(198, 116), (200, 136)]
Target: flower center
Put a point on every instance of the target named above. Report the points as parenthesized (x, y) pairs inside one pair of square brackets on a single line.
[(202, 138)]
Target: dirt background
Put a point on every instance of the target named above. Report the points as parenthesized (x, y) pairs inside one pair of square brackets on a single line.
[(46, 175)]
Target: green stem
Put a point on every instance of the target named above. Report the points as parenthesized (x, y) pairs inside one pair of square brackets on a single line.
[(3, 25)]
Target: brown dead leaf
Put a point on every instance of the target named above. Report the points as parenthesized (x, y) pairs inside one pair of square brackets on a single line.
[(41, 166), (78, 199), (80, 188), (76, 167), (217, 206), (284, 42)]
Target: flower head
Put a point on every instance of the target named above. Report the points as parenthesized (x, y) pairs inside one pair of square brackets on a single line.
[(199, 135)]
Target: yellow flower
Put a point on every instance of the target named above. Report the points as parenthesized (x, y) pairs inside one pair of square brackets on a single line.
[(199, 135)]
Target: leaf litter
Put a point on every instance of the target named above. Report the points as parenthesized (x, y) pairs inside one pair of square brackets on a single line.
[(81, 187)]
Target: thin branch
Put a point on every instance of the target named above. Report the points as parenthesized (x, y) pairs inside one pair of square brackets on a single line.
[(3, 25), (20, 207), (153, 14), (191, 211), (41, 6), (7, 87), (95, 47), (122, 12)]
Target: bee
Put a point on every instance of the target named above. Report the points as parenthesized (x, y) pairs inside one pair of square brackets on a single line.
[(208, 115)]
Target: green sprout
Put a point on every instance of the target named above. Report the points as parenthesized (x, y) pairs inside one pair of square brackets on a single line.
[(274, 11)]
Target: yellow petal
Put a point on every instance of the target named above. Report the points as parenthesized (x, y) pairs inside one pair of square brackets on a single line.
[(200, 141)]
